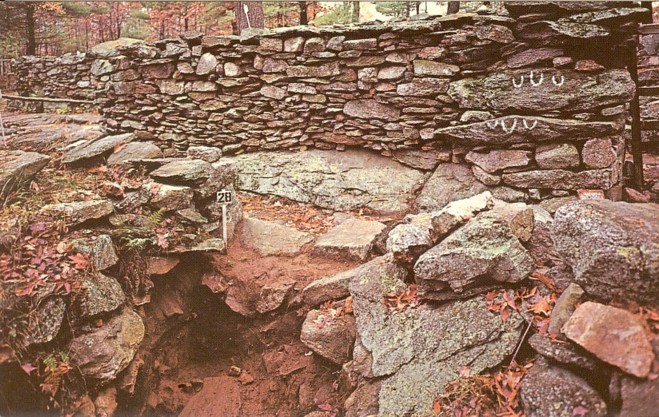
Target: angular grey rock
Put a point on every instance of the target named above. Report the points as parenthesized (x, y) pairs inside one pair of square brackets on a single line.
[(612, 334), (639, 397), (405, 346), (270, 91), (541, 245), (548, 391), (407, 241), (273, 295), (420, 159), (168, 197), (114, 48), (368, 109), (207, 64), (485, 177), (580, 91), (18, 167), (564, 307), (598, 153), (78, 212), (560, 179), (184, 171), (104, 254), (562, 352), (336, 180), (334, 287), (423, 87), (611, 256), (449, 182), (419, 232), (497, 160), (303, 71), (479, 254), (434, 68), (273, 239), (135, 151), (391, 73), (105, 351), (557, 156), (352, 239), (205, 153), (44, 325), (102, 294), (329, 336), (96, 148), (545, 130)]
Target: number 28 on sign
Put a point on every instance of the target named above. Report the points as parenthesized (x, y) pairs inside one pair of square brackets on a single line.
[(224, 197)]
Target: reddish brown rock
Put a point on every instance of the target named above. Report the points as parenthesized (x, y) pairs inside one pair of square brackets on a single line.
[(613, 335)]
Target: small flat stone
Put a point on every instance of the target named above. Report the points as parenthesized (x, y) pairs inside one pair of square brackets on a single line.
[(78, 211)]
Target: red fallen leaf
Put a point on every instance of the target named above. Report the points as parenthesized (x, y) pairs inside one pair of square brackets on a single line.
[(436, 407), (119, 146), (541, 307), (80, 261), (505, 313), (579, 411), (539, 276), (28, 368)]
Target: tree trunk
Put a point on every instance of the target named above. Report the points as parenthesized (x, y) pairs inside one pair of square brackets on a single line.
[(254, 17), (407, 9), (355, 12), (304, 16), (30, 23), (453, 7)]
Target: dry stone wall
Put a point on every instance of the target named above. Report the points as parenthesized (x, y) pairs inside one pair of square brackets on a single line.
[(533, 100), (648, 75), (66, 76)]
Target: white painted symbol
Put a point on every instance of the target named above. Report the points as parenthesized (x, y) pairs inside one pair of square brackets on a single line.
[(505, 128), (536, 83), (521, 82), (526, 125), (556, 83), (496, 123), (246, 10)]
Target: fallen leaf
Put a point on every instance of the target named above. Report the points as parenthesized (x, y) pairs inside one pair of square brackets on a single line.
[(579, 411), (28, 368)]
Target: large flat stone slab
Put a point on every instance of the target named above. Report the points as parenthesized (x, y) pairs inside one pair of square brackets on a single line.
[(579, 91), (16, 167), (270, 238), (335, 180), (352, 239)]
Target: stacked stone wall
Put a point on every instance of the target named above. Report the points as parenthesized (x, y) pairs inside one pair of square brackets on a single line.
[(648, 75), (67, 76)]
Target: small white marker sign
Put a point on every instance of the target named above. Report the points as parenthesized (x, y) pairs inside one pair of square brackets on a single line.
[(225, 196)]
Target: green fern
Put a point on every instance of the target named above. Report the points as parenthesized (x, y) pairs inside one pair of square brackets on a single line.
[(155, 218)]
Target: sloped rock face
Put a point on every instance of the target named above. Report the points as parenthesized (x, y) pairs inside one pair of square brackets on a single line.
[(405, 348), (549, 391), (95, 148), (449, 182), (105, 351), (482, 252), (328, 336), (610, 254), (45, 324), (17, 167), (339, 181)]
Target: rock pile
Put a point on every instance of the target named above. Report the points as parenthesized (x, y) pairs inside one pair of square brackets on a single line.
[(479, 244)]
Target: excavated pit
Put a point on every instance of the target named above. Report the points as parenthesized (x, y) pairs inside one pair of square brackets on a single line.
[(195, 340)]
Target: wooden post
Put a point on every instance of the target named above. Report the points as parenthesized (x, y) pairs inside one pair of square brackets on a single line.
[(636, 145)]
